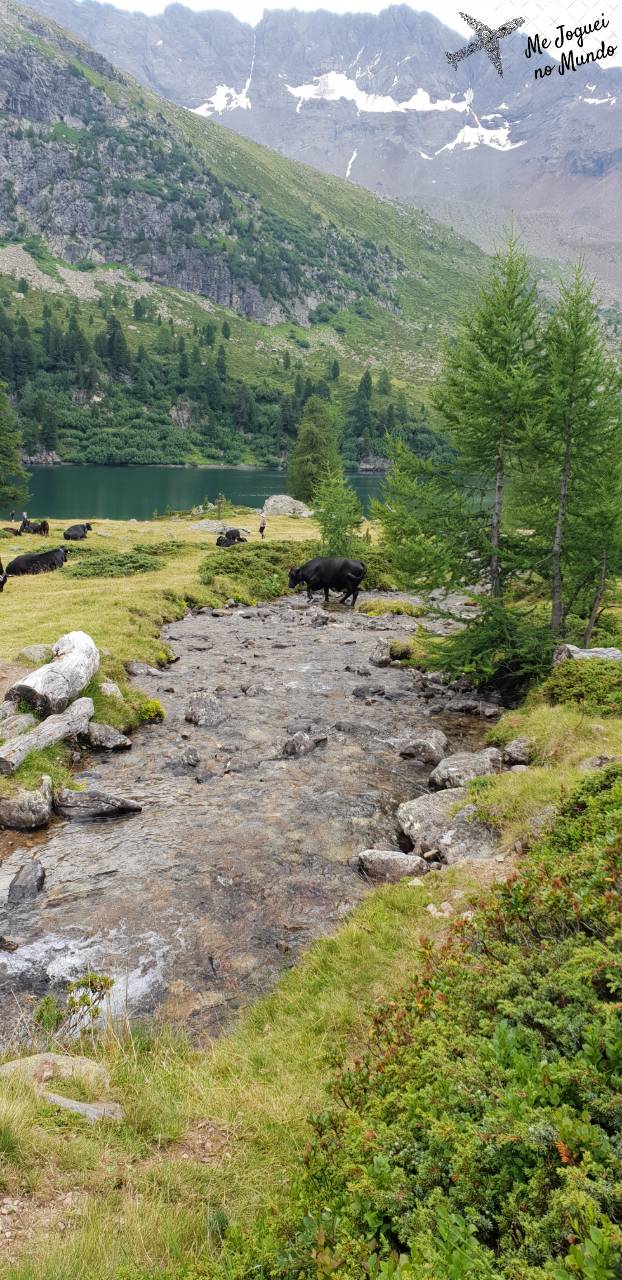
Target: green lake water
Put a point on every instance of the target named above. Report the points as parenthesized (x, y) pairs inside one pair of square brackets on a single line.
[(121, 493)]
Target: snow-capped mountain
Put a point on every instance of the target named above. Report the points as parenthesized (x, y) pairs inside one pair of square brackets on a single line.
[(372, 98)]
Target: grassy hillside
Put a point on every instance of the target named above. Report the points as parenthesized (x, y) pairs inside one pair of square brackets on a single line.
[(106, 175)]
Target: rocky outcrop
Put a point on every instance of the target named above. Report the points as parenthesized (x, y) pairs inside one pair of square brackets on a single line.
[(458, 769), (444, 826), (35, 654), (564, 652), (92, 804), (22, 810), (280, 504), (390, 865), (26, 884), (70, 724), (53, 686)]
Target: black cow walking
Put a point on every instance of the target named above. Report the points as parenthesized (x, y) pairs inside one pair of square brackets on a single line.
[(76, 532), (330, 573), (37, 562)]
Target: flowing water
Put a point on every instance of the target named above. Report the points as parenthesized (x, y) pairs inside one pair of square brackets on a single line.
[(123, 493), (240, 856)]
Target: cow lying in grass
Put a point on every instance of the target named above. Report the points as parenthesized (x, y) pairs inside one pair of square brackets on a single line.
[(37, 562)]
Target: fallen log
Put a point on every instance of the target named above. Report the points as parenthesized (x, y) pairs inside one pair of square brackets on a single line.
[(73, 721), (52, 687)]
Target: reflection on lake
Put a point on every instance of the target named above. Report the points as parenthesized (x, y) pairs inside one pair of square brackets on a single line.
[(120, 493)]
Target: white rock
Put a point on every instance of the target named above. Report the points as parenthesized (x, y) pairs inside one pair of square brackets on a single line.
[(434, 828), (390, 865), (110, 689), (518, 751), (280, 504), (23, 810), (52, 687), (458, 769), (564, 651)]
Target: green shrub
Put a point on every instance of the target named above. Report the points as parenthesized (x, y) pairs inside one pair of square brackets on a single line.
[(114, 564), (477, 1134), (150, 711), (595, 684)]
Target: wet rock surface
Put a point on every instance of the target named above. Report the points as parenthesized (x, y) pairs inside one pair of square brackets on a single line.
[(243, 852)]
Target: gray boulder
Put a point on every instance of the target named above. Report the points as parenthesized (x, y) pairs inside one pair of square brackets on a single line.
[(36, 654), (518, 751), (27, 883), (204, 710), (22, 810), (457, 770), (565, 651), (381, 656), (280, 504), (435, 829), (103, 737), (427, 745), (92, 804), (300, 744), (110, 689), (390, 865)]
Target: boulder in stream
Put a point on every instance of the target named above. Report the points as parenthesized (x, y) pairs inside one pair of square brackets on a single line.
[(204, 710), (458, 769), (104, 737), (92, 804), (427, 745), (443, 824), (27, 883)]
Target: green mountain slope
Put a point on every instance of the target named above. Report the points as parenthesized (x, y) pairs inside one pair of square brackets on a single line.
[(103, 172)]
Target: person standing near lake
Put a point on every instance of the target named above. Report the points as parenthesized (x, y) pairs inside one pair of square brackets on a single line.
[(262, 525)]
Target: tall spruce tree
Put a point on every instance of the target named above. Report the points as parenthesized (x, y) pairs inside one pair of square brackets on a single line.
[(574, 480), (487, 385), (13, 480), (315, 451)]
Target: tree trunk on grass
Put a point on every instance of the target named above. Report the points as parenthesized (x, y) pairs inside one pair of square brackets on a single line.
[(51, 688)]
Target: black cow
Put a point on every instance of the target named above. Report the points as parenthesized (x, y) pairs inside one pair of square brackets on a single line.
[(35, 526), (329, 572), (76, 532), (3, 578), (37, 562), (229, 538), (16, 533)]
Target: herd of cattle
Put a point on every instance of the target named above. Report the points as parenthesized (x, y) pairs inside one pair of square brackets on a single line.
[(324, 573), (39, 561)]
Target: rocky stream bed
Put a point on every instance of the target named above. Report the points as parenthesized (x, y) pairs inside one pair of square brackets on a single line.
[(254, 809)]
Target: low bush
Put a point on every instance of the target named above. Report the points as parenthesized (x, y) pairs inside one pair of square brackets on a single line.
[(477, 1135), (596, 685), (114, 564)]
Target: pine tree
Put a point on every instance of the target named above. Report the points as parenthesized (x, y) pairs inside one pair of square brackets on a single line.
[(384, 383), (221, 363), (13, 480), (315, 451), (338, 512), (226, 329), (487, 386)]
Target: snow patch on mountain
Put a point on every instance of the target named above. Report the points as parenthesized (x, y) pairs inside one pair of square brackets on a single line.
[(225, 98), (351, 162), (335, 86), (471, 136)]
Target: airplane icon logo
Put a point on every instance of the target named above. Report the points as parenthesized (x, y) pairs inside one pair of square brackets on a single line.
[(486, 38)]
